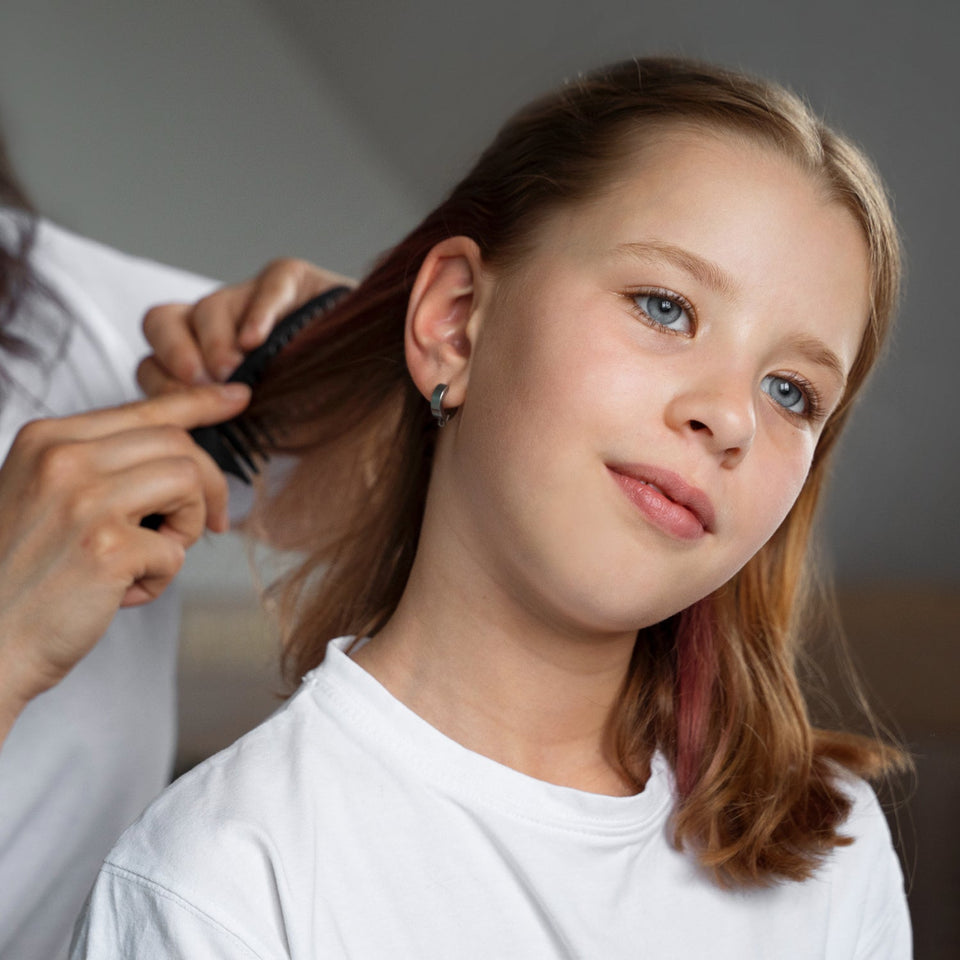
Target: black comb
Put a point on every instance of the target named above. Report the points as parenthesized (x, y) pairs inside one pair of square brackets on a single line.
[(236, 444)]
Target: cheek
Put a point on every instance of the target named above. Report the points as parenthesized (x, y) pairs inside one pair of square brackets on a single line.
[(778, 483), (530, 364), (508, 416)]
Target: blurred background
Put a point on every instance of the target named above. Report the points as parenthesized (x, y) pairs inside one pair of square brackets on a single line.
[(218, 134)]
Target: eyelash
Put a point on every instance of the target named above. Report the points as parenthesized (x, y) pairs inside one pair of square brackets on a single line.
[(814, 405), (814, 410), (635, 295)]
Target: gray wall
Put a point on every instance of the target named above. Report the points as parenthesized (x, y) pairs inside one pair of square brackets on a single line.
[(216, 134), (191, 131)]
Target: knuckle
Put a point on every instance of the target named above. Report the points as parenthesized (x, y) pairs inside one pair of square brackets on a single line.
[(103, 544), (155, 380), (156, 318), (180, 442), (186, 470), (147, 370), (140, 413), (33, 436), (179, 358), (84, 506), (284, 265), (207, 308), (203, 304), (61, 466), (188, 537), (217, 335), (170, 441)]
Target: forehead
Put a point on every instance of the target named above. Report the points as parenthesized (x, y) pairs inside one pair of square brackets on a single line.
[(702, 182)]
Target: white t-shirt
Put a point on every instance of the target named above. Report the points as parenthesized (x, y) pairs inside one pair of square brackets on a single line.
[(84, 758), (347, 827)]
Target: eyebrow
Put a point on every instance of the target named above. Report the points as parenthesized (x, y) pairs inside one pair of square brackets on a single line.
[(702, 270), (708, 273), (816, 351)]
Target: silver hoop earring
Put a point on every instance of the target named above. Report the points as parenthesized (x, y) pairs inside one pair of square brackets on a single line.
[(436, 404)]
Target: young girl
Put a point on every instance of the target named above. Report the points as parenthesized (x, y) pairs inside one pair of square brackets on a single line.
[(560, 457)]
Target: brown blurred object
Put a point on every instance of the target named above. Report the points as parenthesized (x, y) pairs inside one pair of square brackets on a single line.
[(905, 640), (228, 675)]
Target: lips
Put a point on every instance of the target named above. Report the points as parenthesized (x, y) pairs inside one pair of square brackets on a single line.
[(666, 500)]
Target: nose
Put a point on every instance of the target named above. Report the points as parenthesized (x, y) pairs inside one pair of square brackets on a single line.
[(719, 413)]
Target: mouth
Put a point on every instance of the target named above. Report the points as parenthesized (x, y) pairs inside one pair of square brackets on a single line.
[(666, 500)]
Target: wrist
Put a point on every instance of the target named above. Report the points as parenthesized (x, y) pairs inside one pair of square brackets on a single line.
[(13, 699), (19, 683)]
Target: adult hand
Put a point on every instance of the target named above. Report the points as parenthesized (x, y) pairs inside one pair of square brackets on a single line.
[(204, 342), (72, 494)]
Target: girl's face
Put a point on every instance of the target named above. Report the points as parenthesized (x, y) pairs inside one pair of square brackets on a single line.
[(646, 390)]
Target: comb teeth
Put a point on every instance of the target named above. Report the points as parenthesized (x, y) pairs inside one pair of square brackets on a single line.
[(237, 444)]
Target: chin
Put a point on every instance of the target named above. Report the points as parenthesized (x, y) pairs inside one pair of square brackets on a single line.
[(624, 609)]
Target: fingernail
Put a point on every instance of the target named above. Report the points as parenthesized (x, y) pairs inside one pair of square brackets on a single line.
[(234, 391)]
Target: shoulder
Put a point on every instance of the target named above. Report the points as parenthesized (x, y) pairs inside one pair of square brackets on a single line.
[(867, 871), (110, 277), (211, 856), (230, 802), (866, 824), (59, 254)]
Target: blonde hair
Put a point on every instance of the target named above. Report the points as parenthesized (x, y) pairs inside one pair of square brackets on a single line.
[(715, 687)]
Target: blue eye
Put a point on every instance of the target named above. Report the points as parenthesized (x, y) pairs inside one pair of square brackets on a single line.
[(786, 393), (664, 311)]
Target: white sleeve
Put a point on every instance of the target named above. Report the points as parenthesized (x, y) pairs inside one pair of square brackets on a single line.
[(128, 916), (89, 335), (889, 937), (885, 933)]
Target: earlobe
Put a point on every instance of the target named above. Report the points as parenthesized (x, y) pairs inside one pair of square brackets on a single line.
[(441, 319)]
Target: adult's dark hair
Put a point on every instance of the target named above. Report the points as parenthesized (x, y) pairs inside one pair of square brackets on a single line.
[(19, 281)]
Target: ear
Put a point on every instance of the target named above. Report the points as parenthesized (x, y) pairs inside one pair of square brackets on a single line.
[(442, 322)]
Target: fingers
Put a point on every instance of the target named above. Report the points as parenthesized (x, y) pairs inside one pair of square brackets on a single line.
[(170, 333), (154, 380), (198, 343), (172, 487), (168, 464), (214, 322), (161, 559), (194, 407), (72, 494), (281, 287)]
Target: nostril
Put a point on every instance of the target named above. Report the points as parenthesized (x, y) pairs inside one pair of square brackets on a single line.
[(697, 425)]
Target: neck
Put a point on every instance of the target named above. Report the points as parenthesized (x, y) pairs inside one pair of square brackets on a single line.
[(503, 681)]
